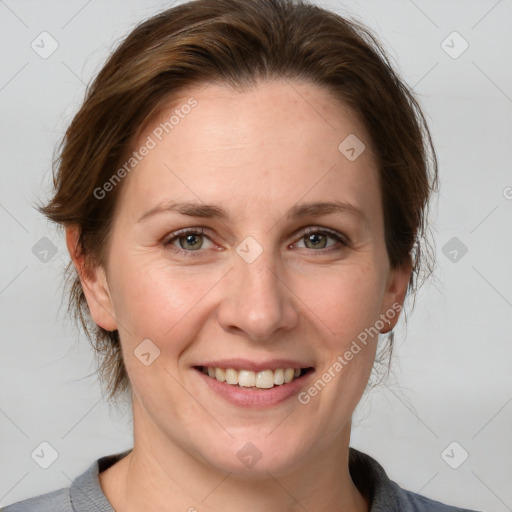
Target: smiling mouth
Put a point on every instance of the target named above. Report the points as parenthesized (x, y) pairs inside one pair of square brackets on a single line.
[(266, 379)]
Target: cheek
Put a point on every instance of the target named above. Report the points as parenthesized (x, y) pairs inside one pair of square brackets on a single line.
[(152, 299), (345, 306), (344, 300)]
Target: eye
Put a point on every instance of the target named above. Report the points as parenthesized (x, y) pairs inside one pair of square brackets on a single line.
[(186, 241), (316, 238)]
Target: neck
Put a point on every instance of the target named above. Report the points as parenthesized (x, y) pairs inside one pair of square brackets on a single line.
[(162, 475)]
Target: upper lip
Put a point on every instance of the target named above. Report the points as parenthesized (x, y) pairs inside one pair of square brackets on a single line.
[(245, 364)]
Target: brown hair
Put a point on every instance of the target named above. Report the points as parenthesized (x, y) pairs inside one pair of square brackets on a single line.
[(238, 42)]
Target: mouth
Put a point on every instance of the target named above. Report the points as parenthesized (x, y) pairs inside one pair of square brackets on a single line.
[(254, 380)]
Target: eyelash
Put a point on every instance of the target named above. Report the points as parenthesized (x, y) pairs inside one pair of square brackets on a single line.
[(167, 242)]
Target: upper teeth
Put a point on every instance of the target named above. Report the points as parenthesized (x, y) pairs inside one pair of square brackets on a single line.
[(246, 378)]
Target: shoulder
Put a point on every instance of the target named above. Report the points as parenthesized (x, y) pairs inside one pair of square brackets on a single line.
[(84, 495), (414, 502), (55, 501), (384, 494)]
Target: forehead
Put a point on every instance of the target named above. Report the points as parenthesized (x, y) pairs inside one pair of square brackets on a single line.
[(265, 146)]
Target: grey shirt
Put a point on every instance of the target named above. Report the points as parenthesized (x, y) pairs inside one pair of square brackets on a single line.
[(86, 495)]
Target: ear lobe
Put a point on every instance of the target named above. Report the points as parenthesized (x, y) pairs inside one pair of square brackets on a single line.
[(394, 295), (94, 283)]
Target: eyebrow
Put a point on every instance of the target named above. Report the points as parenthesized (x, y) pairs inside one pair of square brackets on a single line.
[(201, 210)]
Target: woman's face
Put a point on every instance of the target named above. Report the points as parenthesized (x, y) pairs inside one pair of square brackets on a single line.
[(246, 238)]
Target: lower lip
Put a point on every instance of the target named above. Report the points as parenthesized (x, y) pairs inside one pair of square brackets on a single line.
[(255, 397)]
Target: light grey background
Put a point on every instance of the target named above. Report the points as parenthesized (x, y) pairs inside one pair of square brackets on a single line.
[(452, 378)]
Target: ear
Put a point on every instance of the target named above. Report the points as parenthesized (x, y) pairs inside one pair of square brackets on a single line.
[(94, 283), (394, 295)]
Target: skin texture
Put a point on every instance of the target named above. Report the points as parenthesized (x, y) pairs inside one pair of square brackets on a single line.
[(255, 153)]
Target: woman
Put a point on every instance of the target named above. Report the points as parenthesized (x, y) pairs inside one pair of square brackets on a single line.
[(244, 194)]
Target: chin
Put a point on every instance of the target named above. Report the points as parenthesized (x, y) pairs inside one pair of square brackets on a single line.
[(254, 455)]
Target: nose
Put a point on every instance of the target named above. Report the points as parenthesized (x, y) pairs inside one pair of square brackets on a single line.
[(256, 301)]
